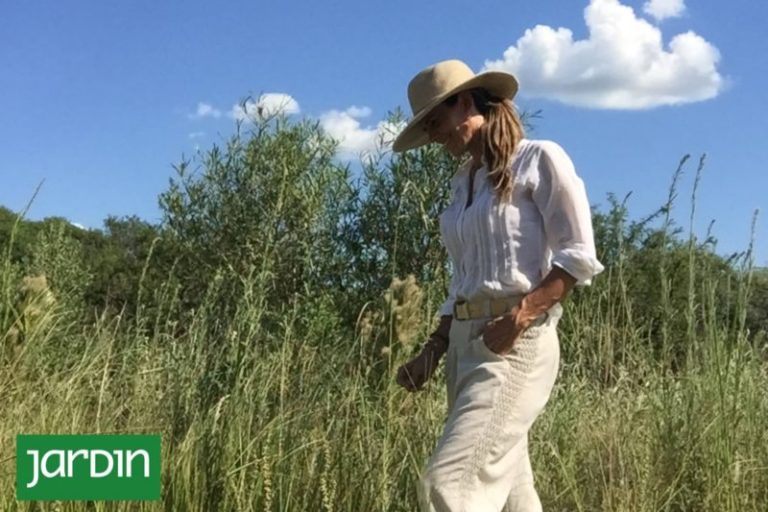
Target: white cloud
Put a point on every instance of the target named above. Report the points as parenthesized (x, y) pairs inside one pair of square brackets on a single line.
[(79, 226), (196, 135), (663, 9), (354, 139), (621, 65), (267, 105), (358, 111), (205, 110)]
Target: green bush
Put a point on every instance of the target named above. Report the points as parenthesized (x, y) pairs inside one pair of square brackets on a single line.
[(259, 327)]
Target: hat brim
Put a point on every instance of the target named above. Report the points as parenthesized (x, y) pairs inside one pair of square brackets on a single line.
[(498, 83)]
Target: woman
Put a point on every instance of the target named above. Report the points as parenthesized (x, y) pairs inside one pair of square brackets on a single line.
[(519, 235)]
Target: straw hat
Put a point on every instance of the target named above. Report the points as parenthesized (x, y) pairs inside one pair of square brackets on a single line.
[(435, 84)]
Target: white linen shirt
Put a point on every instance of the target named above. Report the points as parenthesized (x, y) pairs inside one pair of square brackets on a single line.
[(501, 249)]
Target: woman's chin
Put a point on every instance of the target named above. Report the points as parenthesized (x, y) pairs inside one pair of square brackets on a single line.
[(455, 151)]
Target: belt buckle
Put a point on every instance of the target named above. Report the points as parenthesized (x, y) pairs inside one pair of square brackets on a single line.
[(461, 310)]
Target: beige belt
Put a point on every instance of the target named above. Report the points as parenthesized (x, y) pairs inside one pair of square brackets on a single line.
[(463, 310)]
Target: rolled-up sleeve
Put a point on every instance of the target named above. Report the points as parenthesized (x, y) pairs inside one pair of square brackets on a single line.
[(561, 198)]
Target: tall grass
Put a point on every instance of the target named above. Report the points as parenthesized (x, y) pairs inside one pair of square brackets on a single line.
[(301, 412)]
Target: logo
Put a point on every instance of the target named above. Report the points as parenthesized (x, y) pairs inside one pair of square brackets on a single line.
[(87, 467)]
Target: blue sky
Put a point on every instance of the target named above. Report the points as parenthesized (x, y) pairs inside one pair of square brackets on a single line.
[(99, 99)]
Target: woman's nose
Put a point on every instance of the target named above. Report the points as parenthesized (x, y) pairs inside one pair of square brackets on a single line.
[(430, 127), (429, 131), (432, 133)]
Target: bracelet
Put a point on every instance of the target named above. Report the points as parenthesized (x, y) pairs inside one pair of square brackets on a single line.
[(437, 340)]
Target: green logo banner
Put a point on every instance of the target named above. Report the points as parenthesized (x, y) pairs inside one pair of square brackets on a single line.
[(87, 467)]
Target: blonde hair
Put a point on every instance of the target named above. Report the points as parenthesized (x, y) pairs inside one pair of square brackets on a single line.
[(500, 134)]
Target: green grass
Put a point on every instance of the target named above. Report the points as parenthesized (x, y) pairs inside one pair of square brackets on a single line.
[(661, 401), (298, 422)]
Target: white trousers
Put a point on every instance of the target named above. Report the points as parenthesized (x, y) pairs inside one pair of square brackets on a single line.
[(481, 461)]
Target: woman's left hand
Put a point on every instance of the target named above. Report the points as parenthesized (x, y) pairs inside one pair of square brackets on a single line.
[(501, 333)]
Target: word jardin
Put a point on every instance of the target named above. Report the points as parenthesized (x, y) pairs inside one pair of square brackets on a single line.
[(66, 459), (87, 467)]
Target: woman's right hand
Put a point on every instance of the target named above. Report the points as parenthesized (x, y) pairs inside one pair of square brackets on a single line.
[(416, 372)]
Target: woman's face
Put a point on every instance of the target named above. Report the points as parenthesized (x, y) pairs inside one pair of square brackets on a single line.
[(454, 126)]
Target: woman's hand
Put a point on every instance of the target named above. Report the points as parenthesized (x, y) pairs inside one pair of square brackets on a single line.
[(416, 372), (501, 333)]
